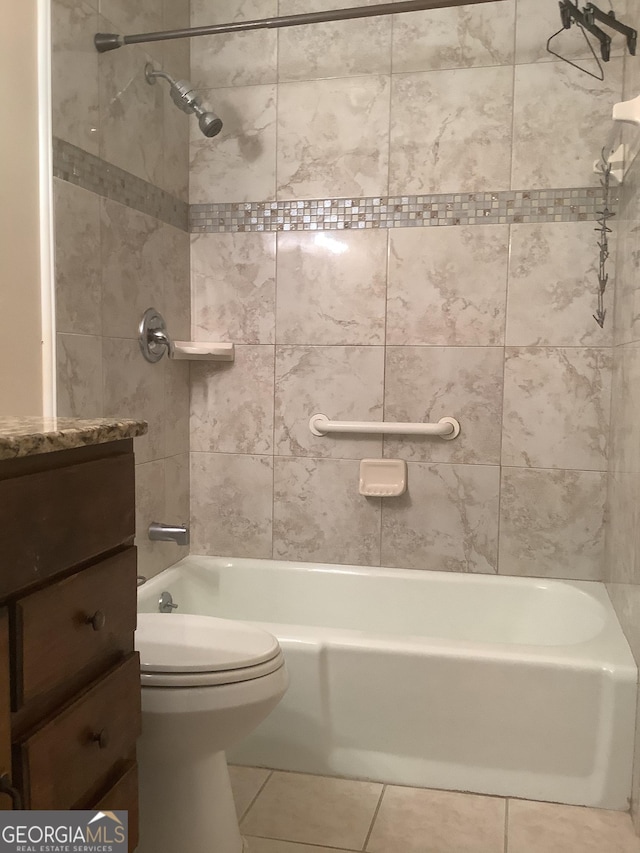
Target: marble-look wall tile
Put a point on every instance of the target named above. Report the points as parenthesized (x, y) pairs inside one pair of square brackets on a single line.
[(449, 131), (177, 500), (553, 285), (344, 383), (622, 534), (162, 495), (626, 600), (150, 506), (131, 112), (239, 164), (333, 137), (133, 388), (331, 287), (234, 59), (626, 227), (552, 523), (557, 110), (447, 286), (424, 384), (231, 504), (625, 411), (74, 74), (631, 83), (233, 287), (465, 37), (77, 252), (175, 283), (337, 49), (132, 268), (623, 531), (176, 406), (319, 516), (176, 60), (79, 376), (536, 22), (635, 781), (556, 408), (176, 125), (177, 14), (447, 520), (143, 16), (232, 404)]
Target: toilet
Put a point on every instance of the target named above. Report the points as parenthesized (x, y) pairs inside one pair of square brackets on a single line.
[(206, 684)]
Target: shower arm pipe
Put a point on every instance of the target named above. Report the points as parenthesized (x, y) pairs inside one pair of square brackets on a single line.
[(112, 41), (447, 428)]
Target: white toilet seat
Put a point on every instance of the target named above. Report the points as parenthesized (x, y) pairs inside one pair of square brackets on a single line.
[(185, 650), (211, 679)]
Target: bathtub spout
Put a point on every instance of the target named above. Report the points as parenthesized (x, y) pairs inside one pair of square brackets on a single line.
[(178, 533)]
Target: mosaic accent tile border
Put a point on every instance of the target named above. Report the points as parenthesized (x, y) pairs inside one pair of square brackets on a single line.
[(334, 214), (326, 214), (91, 173)]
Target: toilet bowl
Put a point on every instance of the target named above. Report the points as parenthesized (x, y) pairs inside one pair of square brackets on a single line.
[(206, 684)]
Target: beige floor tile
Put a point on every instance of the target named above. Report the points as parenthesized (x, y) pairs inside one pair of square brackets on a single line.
[(412, 820), (270, 845), (245, 784), (314, 810), (549, 828)]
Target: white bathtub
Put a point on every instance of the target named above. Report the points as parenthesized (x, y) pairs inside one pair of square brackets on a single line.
[(497, 685)]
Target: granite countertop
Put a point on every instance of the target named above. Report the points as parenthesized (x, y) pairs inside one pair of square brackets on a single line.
[(30, 436)]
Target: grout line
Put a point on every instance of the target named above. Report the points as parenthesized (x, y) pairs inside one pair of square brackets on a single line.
[(274, 454), (502, 398), (304, 844), (384, 377), (513, 91), (373, 819), (259, 791), (506, 825)]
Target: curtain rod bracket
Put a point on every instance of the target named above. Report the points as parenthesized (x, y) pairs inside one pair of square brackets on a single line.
[(107, 41)]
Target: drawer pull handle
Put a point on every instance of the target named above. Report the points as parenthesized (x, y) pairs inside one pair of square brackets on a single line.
[(101, 738), (97, 621), (7, 788)]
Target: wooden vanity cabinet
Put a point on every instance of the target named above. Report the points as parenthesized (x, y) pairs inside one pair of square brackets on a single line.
[(69, 676), (5, 713)]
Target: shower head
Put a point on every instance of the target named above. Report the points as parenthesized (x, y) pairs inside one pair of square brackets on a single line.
[(185, 97), (210, 124)]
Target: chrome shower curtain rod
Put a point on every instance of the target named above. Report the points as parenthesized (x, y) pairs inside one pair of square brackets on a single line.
[(111, 41)]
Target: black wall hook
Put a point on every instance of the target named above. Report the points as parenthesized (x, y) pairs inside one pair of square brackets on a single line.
[(570, 14), (593, 14)]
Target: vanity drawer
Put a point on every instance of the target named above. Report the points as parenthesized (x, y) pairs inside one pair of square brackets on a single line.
[(56, 519), (75, 628), (76, 751), (5, 718), (123, 794)]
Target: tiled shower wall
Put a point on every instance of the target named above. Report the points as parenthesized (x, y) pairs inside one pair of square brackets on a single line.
[(120, 150), (489, 323), (623, 540)]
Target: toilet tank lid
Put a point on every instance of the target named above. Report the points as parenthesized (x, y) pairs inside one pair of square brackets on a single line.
[(181, 642)]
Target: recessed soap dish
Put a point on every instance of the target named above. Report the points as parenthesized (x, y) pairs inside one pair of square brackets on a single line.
[(383, 478)]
